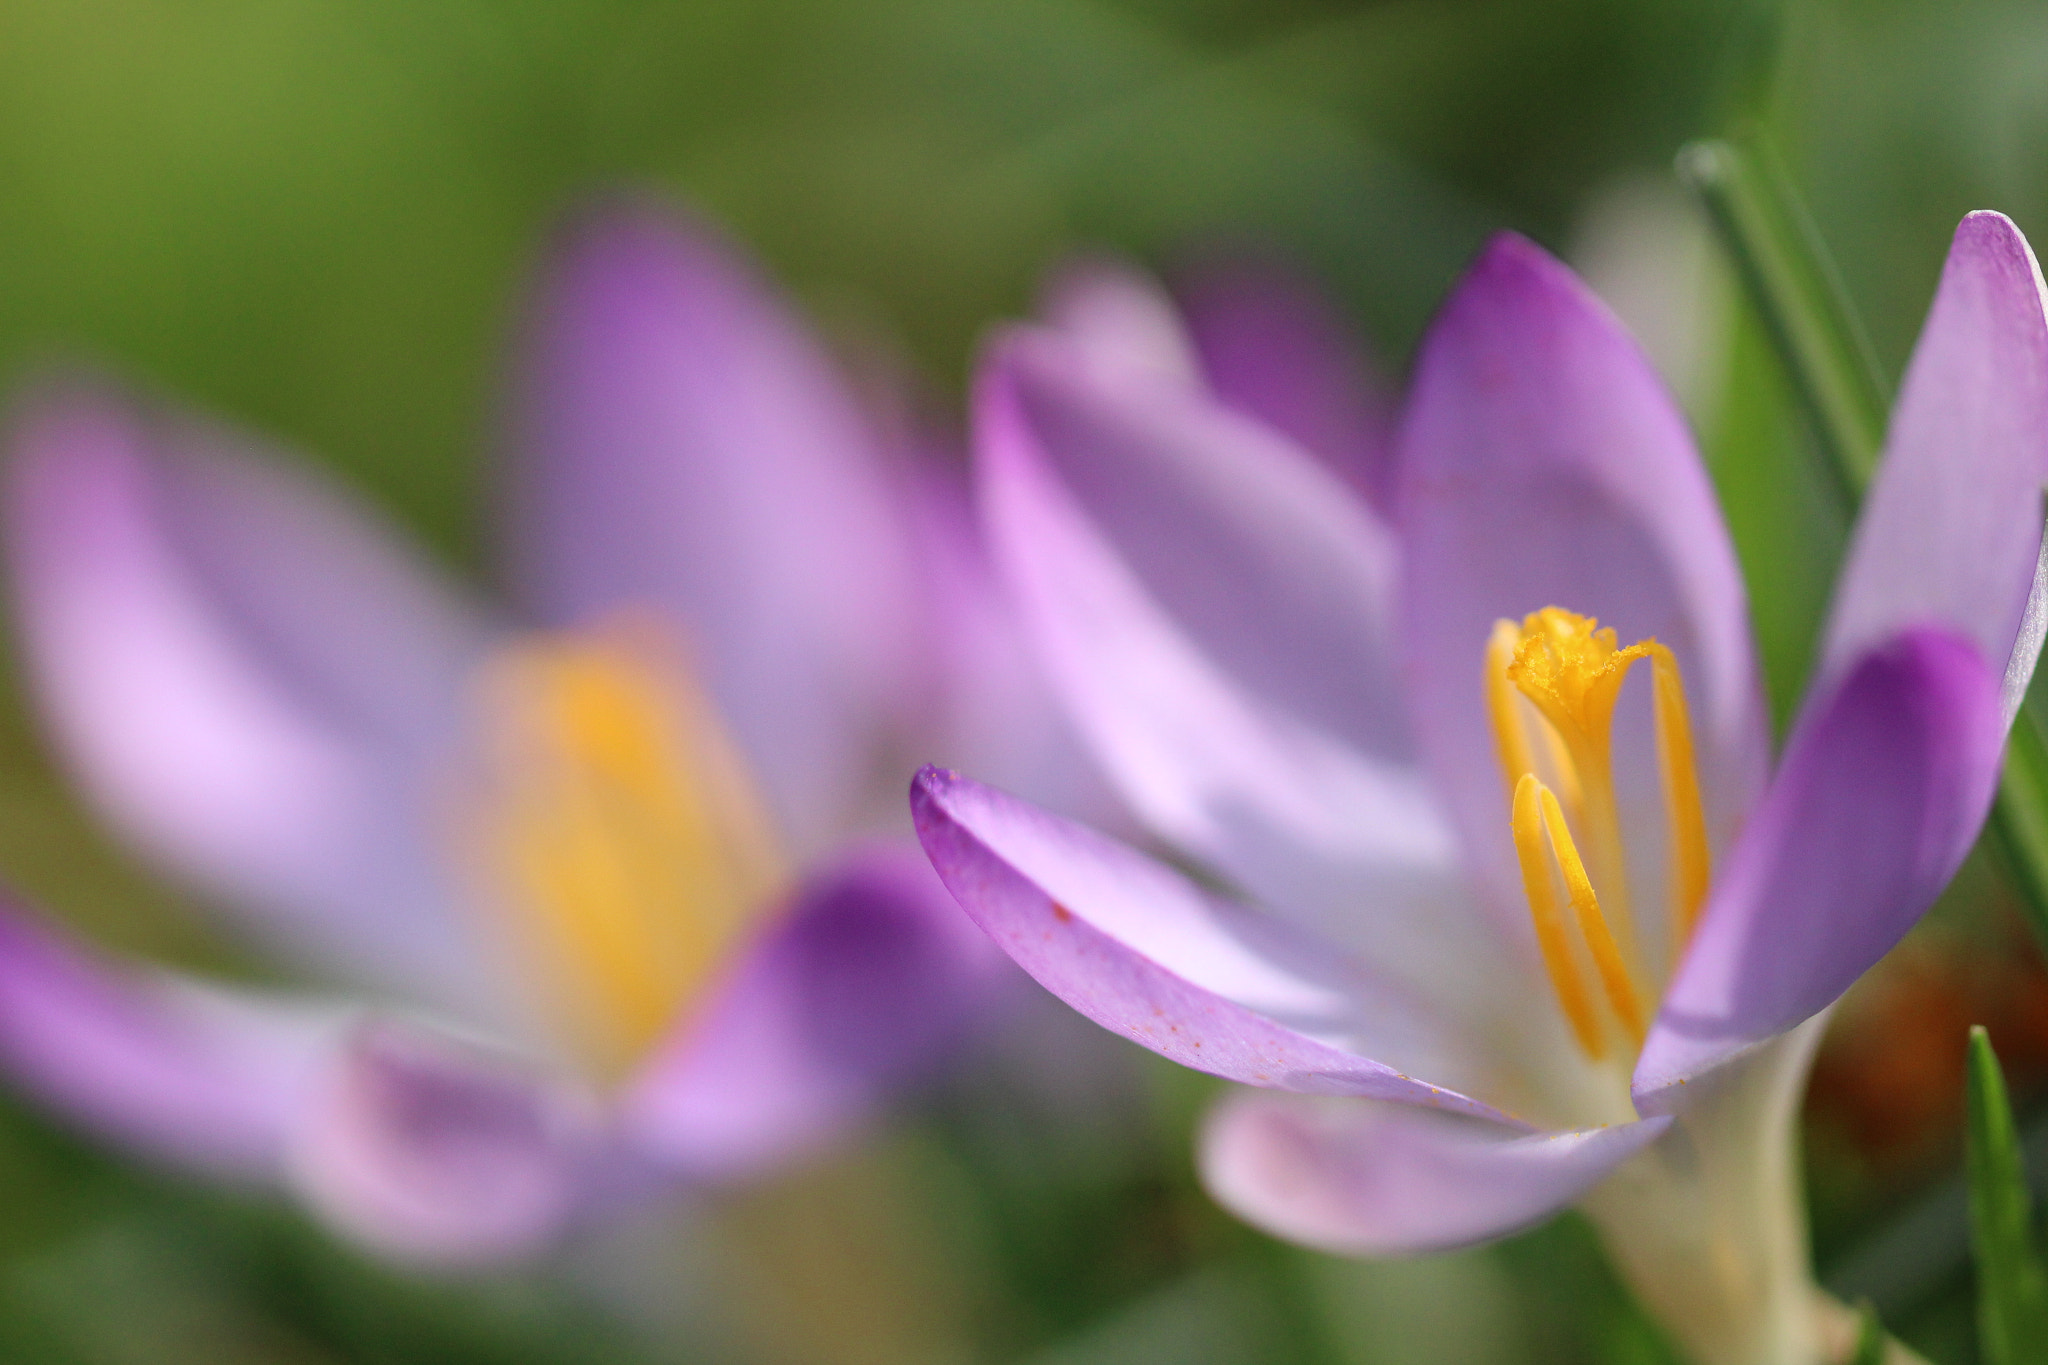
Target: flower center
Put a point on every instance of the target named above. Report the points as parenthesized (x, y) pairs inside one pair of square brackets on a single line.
[(614, 821), (1558, 675)]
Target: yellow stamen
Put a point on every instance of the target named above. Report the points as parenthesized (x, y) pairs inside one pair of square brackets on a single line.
[(615, 820), (1572, 671), (1504, 706), (1687, 821), (1527, 821), (1614, 977)]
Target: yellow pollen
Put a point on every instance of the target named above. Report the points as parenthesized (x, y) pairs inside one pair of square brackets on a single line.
[(1551, 938), (1571, 671), (1690, 865), (1614, 977), (614, 820)]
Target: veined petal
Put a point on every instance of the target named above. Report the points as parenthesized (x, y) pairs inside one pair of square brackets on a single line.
[(1210, 604), (681, 443), (424, 1148), (1141, 951), (246, 676), (1542, 463), (1363, 1179), (1884, 784), (1273, 347), (872, 976), (1951, 531), (198, 1076)]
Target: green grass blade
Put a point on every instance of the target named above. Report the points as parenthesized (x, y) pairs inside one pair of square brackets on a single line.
[(1869, 1338), (2021, 816), (2012, 1287), (1790, 279)]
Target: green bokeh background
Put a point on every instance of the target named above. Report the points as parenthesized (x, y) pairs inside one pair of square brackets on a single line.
[(316, 216)]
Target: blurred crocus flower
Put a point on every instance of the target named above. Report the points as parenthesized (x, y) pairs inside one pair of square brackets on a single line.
[(1529, 937), (610, 885)]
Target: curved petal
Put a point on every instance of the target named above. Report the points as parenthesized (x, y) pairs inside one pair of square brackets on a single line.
[(1542, 463), (1141, 951), (1000, 717), (1211, 606), (245, 677), (198, 1076), (1884, 785), (423, 1148), (1121, 322), (681, 443), (1273, 347), (1951, 531), (872, 977), (1386, 1180)]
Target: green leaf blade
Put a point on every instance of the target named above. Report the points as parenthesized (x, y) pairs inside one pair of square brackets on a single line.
[(2012, 1286)]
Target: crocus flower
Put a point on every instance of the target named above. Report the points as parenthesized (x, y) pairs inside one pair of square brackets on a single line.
[(1524, 936), (603, 885)]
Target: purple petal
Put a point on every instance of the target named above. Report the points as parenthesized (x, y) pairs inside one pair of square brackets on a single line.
[(1951, 531), (244, 675), (181, 1072), (1884, 784), (1141, 951), (1542, 463), (1211, 605), (1272, 346), (682, 444), (871, 979), (424, 1149), (1121, 323), (1386, 1180), (1000, 716)]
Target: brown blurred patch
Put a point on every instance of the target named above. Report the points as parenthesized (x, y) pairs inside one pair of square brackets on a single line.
[(1889, 1077)]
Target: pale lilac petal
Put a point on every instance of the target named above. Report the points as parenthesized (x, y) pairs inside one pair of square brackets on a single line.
[(1211, 605), (683, 445), (999, 716), (197, 1076), (423, 1148), (174, 607), (1122, 323), (1951, 531), (872, 977), (1542, 463), (1272, 346), (1883, 787), (1363, 1179), (1140, 950)]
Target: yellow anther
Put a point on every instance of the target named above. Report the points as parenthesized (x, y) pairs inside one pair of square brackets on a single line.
[(614, 819), (1504, 706), (1572, 672), (1690, 864), (1551, 938), (1614, 977)]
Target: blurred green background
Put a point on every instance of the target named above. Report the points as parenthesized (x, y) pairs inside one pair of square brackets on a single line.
[(316, 216)]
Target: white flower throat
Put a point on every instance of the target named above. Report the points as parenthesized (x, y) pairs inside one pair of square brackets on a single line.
[(1558, 674)]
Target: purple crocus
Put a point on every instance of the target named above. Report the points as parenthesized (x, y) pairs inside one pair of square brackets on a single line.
[(1525, 936), (606, 885)]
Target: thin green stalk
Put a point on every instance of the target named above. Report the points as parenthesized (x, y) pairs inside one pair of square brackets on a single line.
[(2012, 1287), (1793, 284)]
